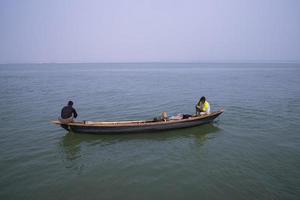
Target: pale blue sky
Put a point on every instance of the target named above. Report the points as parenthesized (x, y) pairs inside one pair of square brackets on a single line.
[(149, 30)]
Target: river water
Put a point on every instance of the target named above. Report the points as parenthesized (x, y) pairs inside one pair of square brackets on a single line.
[(251, 152)]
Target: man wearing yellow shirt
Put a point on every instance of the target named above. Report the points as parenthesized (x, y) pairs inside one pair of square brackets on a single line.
[(202, 107)]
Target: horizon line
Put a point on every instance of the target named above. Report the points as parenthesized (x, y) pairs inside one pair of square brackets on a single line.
[(168, 62)]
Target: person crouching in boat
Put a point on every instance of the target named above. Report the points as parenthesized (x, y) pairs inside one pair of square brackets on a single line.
[(68, 113), (202, 107)]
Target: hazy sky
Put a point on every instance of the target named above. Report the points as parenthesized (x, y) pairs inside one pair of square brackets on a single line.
[(149, 30)]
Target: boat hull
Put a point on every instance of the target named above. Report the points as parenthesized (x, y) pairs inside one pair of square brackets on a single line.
[(136, 127)]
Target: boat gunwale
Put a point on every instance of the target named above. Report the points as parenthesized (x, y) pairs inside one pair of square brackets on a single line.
[(138, 123)]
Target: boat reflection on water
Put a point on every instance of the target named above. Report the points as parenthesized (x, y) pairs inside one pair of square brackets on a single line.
[(78, 149)]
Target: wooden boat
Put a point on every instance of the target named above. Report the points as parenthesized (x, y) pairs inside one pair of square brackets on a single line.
[(137, 126)]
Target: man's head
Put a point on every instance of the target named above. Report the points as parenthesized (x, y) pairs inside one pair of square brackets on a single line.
[(203, 99), (70, 103)]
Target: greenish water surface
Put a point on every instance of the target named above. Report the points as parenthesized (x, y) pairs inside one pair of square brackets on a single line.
[(251, 152)]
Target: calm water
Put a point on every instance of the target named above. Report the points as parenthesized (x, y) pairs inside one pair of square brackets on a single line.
[(251, 152)]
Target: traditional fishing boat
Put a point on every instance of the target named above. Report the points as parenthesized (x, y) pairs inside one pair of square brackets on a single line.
[(138, 126)]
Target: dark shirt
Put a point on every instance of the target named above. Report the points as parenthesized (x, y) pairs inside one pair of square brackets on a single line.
[(67, 112)]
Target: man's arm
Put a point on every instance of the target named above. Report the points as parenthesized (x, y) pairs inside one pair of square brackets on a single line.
[(198, 105), (75, 113)]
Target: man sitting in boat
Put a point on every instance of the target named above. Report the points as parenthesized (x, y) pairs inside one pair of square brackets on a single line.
[(202, 107), (68, 113)]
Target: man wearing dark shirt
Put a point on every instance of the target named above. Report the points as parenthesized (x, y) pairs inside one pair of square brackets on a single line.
[(68, 113)]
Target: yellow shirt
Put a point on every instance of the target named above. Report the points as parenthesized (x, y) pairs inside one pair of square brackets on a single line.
[(204, 107)]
